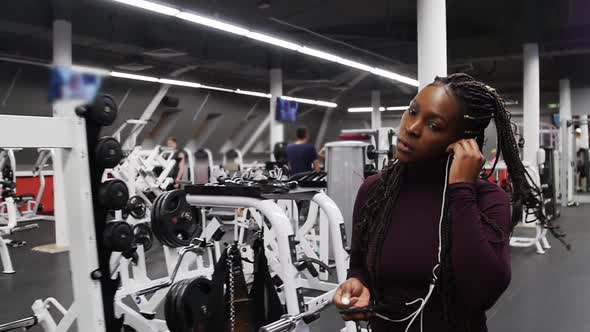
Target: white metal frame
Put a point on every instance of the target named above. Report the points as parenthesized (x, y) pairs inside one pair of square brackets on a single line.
[(539, 240), (10, 207), (66, 132)]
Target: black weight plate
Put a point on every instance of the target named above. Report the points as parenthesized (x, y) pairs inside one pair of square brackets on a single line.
[(108, 152), (118, 236), (162, 221), (155, 219), (167, 238), (113, 194), (170, 308), (177, 221), (196, 299), (142, 234), (137, 207), (179, 307), (103, 110)]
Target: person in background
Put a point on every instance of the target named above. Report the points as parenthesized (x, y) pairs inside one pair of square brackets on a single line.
[(180, 157), (302, 156), (493, 155)]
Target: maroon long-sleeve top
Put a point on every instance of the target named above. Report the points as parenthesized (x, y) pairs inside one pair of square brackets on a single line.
[(479, 252)]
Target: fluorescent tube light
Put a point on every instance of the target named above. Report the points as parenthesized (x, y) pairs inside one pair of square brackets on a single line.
[(209, 87), (212, 23), (91, 70), (397, 108), (325, 104), (394, 76), (253, 93), (355, 64), (151, 6), (319, 54), (216, 24), (370, 109), (134, 77), (180, 83), (216, 88), (310, 101), (273, 41)]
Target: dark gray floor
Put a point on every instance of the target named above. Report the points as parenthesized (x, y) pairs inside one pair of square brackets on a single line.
[(548, 293)]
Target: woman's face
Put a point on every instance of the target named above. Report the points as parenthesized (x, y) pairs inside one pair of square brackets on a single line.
[(431, 123)]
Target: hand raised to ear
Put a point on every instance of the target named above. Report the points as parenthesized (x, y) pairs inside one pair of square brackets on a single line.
[(467, 161)]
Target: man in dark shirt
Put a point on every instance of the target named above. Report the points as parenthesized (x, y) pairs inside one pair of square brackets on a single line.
[(302, 156)]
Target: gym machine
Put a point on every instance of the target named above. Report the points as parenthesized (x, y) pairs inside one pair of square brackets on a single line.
[(203, 167), (539, 239), (28, 205), (569, 159), (381, 148), (549, 172), (73, 134), (11, 228), (233, 161)]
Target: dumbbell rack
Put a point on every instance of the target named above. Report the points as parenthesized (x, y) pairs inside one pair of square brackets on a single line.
[(133, 285)]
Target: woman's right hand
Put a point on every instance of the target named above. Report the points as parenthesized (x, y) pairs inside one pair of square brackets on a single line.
[(357, 295)]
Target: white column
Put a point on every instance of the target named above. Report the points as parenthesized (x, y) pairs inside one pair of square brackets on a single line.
[(277, 130), (73, 201), (584, 126), (376, 113), (62, 57), (432, 40), (531, 102), (566, 169)]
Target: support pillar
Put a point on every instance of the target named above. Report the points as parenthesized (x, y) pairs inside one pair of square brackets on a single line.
[(277, 130), (432, 40), (531, 102), (62, 57), (74, 217), (376, 113), (566, 167)]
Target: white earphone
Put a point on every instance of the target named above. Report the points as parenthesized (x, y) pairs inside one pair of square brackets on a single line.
[(419, 312)]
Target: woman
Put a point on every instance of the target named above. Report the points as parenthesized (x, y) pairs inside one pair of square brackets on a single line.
[(430, 241)]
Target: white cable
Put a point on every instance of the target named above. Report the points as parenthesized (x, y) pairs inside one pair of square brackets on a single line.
[(423, 301)]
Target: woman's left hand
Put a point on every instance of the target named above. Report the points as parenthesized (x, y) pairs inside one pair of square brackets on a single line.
[(467, 161)]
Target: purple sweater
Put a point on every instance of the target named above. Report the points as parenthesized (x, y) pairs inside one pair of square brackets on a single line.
[(479, 254)]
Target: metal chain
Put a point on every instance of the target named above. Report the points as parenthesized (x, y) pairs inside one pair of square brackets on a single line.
[(232, 309)]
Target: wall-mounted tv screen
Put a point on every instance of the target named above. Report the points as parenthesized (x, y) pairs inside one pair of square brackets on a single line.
[(286, 110)]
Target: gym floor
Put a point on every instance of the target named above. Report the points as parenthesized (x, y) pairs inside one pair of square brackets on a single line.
[(548, 292)]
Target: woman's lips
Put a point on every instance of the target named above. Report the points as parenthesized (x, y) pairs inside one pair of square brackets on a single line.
[(403, 146)]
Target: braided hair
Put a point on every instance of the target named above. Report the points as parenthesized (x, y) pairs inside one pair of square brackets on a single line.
[(479, 103)]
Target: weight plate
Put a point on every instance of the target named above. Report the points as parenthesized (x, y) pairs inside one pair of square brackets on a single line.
[(108, 152), (118, 236), (103, 110), (174, 221), (154, 217), (113, 194), (137, 207), (196, 299), (181, 316), (170, 307), (142, 234), (178, 307)]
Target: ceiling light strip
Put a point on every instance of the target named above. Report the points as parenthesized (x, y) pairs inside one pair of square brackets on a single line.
[(151, 6), (210, 87), (370, 109), (231, 28)]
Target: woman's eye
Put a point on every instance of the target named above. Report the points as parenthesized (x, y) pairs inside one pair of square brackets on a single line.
[(411, 111), (433, 126)]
